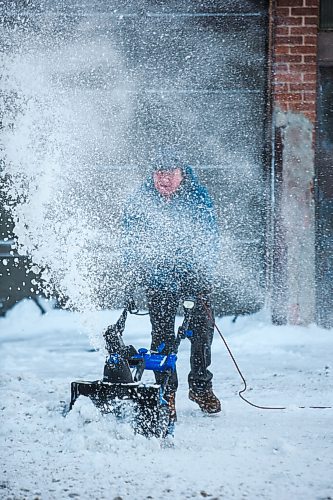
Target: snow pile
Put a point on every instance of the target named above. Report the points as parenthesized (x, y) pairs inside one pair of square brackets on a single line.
[(241, 453)]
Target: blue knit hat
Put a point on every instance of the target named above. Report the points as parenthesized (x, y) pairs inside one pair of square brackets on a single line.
[(167, 158)]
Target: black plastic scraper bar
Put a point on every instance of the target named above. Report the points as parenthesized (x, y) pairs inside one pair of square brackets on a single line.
[(150, 412)]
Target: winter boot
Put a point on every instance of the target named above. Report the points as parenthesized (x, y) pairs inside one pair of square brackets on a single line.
[(206, 400)]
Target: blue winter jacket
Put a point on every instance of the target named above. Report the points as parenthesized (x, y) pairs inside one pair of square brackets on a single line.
[(171, 244)]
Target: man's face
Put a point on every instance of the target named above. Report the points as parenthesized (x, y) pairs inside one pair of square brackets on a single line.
[(168, 181)]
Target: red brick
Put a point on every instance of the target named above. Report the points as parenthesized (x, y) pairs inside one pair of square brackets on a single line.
[(310, 40), (280, 68), (310, 21), (282, 11), (287, 58), (303, 30), (284, 30), (281, 87), (295, 97), (298, 87), (310, 77), (304, 106), (304, 11), (309, 59), (302, 49), (288, 77), (311, 3), (283, 49), (304, 68), (311, 115), (277, 98), (289, 40), (289, 3), (289, 21), (310, 96)]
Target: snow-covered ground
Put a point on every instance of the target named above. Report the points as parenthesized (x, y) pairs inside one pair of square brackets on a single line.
[(242, 453)]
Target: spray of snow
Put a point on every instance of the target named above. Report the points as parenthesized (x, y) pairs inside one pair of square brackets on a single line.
[(76, 142), (60, 197)]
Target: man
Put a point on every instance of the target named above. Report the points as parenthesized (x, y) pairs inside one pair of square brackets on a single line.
[(171, 248)]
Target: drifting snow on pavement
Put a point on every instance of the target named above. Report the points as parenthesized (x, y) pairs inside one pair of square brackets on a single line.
[(241, 453)]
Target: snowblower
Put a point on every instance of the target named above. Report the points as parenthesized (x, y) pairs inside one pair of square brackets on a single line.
[(122, 392)]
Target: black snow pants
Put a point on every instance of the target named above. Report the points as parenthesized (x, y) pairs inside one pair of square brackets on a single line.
[(162, 306)]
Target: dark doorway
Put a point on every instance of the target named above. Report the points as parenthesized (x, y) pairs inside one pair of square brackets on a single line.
[(324, 199)]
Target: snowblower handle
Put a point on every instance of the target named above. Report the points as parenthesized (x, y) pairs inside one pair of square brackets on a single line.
[(119, 327), (183, 330)]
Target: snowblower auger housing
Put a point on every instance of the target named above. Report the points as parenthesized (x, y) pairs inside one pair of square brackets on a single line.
[(149, 411), (121, 385)]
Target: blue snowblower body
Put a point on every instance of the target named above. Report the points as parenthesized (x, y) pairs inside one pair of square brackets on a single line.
[(122, 388)]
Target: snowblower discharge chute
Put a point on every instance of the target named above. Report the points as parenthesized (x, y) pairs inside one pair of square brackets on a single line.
[(122, 387)]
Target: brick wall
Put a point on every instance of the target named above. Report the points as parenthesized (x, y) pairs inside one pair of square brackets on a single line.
[(295, 29)]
